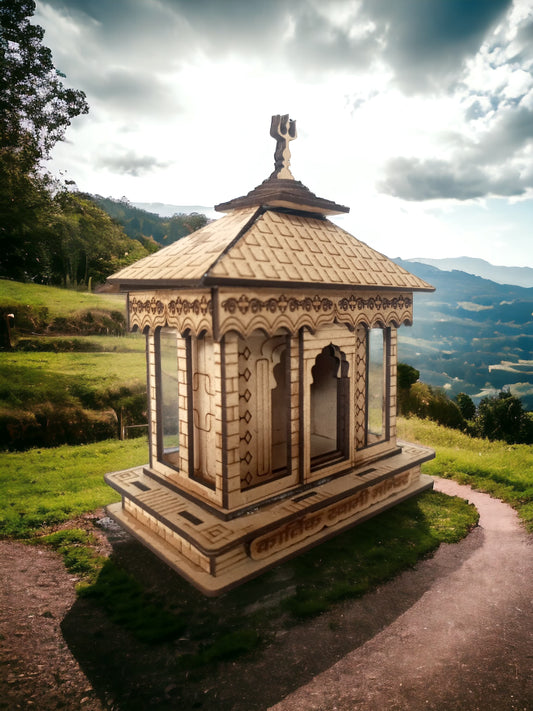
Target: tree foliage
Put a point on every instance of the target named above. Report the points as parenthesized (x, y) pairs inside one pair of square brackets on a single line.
[(141, 224), (86, 244), (35, 106), (466, 405), (499, 417), (425, 401), (47, 234), (502, 417), (407, 376)]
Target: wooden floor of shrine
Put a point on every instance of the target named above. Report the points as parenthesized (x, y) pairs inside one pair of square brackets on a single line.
[(216, 554)]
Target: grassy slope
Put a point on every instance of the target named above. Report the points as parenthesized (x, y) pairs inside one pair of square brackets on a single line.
[(503, 470), (53, 386), (59, 302), (47, 486), (27, 378)]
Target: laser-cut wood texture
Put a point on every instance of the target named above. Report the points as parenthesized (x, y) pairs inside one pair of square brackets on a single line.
[(267, 313)]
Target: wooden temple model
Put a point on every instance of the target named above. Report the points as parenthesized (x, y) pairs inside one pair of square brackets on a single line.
[(271, 354)]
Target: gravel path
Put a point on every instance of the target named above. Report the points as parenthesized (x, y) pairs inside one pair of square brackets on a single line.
[(466, 644)]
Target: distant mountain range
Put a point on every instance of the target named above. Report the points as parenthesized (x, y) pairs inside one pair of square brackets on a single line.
[(471, 335), (165, 210), (520, 276)]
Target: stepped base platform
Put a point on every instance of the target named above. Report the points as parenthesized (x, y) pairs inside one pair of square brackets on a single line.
[(215, 553)]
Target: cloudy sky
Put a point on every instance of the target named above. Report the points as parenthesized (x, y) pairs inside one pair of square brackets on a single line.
[(417, 114)]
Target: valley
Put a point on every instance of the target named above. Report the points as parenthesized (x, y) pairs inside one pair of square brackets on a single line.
[(471, 335)]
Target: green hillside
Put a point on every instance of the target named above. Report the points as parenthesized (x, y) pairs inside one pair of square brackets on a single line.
[(69, 373), (143, 225)]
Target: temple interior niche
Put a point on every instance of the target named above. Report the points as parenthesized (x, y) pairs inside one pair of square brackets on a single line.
[(168, 395), (279, 414), (377, 378), (328, 405), (263, 408)]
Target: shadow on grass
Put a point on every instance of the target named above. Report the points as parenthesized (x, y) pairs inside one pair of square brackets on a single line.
[(146, 638)]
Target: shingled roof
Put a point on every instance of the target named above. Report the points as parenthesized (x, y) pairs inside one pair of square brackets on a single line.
[(277, 235)]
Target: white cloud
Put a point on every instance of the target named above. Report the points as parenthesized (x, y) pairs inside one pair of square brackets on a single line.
[(428, 105)]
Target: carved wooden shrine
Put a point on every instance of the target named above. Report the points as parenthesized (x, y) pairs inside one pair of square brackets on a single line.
[(271, 350)]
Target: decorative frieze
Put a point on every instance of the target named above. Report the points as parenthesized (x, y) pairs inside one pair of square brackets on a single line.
[(191, 312), (275, 310), (195, 312)]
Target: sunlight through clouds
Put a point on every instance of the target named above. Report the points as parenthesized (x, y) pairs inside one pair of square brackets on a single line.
[(411, 118)]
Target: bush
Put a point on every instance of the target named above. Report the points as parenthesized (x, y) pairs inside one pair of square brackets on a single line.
[(502, 417), (90, 322), (425, 401), (49, 426), (57, 345)]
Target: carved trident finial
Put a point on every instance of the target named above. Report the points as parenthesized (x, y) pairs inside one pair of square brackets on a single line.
[(283, 130)]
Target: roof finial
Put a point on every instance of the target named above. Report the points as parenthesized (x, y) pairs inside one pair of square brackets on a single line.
[(283, 130)]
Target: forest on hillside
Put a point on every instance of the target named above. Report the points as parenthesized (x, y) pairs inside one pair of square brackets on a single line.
[(141, 224)]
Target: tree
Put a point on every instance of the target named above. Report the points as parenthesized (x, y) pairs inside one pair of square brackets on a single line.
[(35, 111), (466, 405), (406, 377), (502, 417), (85, 243), (35, 107)]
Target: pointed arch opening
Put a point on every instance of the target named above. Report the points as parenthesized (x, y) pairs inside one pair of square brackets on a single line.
[(329, 407)]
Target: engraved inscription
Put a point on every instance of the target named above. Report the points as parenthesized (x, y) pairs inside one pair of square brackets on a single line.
[(309, 525)]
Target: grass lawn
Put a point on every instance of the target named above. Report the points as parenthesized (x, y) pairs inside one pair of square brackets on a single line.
[(59, 302), (48, 486), (346, 567), (502, 470), (27, 378)]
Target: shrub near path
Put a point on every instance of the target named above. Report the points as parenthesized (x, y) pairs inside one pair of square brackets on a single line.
[(502, 470)]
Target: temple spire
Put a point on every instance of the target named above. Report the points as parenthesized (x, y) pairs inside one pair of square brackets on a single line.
[(283, 129)]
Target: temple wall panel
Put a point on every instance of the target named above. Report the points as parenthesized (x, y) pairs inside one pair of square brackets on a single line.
[(393, 402), (360, 388), (232, 419)]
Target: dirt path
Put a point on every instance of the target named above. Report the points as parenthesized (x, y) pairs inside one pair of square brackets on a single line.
[(467, 643), (455, 633), (37, 669)]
